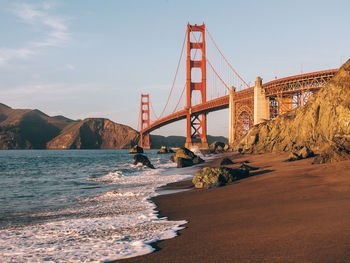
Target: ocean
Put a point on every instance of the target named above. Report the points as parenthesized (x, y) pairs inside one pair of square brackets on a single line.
[(81, 205)]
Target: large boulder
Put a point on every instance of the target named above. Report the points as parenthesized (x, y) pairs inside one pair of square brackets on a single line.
[(164, 150), (136, 149), (184, 153), (209, 177), (143, 159), (217, 147)]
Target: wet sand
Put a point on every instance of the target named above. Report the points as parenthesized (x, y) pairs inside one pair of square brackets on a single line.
[(284, 212)]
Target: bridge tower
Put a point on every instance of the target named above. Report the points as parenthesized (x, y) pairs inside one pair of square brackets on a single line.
[(196, 123), (145, 121)]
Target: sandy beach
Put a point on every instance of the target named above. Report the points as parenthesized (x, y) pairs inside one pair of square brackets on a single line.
[(284, 212)]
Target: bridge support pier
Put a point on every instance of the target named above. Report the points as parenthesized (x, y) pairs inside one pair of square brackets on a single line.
[(232, 117), (261, 103), (145, 121)]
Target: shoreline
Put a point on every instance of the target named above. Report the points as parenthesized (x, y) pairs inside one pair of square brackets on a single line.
[(284, 212)]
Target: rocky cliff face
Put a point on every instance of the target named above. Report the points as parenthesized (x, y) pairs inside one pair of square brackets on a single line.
[(95, 133), (322, 125)]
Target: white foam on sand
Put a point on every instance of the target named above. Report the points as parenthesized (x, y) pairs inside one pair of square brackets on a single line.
[(117, 224)]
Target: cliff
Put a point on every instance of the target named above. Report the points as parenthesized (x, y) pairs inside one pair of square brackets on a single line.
[(95, 133), (322, 125)]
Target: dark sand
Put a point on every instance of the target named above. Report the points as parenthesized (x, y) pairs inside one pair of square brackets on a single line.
[(285, 212)]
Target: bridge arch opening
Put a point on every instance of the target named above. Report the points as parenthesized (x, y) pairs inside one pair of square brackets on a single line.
[(196, 75)]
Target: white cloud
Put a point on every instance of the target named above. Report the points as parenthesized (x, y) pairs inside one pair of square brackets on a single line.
[(53, 28), (7, 54)]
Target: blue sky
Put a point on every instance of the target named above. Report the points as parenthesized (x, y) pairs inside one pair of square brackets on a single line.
[(87, 58)]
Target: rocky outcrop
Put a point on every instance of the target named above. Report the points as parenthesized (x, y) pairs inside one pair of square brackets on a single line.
[(95, 133), (185, 157), (209, 177), (136, 149), (164, 150), (143, 159), (322, 125)]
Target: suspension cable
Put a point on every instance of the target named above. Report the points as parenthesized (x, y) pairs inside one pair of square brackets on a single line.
[(153, 111), (177, 70), (226, 59), (223, 82)]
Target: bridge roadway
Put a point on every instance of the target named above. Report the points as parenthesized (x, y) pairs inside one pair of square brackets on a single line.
[(312, 81)]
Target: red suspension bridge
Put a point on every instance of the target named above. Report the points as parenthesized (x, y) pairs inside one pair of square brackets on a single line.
[(212, 84)]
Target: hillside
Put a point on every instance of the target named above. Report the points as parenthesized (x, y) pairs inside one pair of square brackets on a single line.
[(27, 129), (95, 133), (322, 125)]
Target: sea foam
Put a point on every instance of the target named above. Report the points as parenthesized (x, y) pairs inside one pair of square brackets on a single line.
[(112, 225)]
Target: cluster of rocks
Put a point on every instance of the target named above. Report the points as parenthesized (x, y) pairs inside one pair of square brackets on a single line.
[(183, 157), (322, 126), (164, 150)]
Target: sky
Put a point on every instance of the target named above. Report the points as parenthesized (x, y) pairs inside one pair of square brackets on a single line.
[(88, 58)]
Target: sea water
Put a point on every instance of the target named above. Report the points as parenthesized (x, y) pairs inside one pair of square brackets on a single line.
[(81, 205)]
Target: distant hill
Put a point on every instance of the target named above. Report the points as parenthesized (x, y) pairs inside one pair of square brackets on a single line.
[(27, 129), (95, 133)]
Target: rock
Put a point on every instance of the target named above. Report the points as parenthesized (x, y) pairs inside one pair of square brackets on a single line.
[(217, 147), (165, 149), (209, 177), (185, 153), (248, 168), (293, 156), (303, 153), (143, 159), (226, 161), (183, 162), (331, 154), (136, 149), (197, 160), (227, 148), (322, 125)]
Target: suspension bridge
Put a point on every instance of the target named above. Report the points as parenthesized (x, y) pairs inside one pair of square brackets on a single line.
[(205, 82)]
